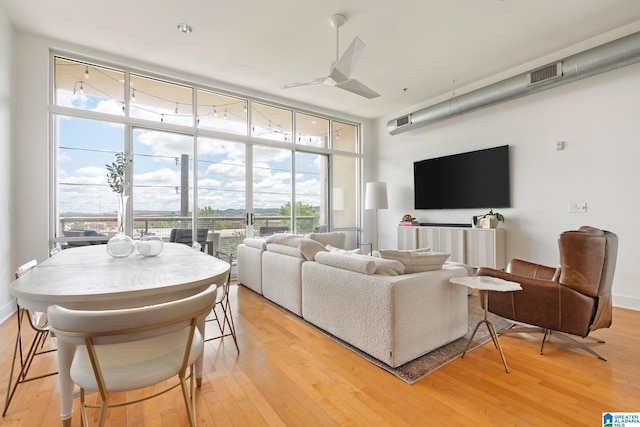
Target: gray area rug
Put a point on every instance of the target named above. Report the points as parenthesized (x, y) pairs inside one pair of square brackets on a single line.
[(419, 368)]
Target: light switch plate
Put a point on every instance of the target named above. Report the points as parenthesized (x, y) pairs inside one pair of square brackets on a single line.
[(577, 207)]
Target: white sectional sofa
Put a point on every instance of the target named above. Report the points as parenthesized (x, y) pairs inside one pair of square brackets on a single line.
[(365, 301)]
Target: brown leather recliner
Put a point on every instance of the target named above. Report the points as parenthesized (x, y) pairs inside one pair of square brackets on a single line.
[(574, 298)]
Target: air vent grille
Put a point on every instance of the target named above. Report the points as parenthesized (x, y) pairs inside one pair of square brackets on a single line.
[(545, 73), (403, 121)]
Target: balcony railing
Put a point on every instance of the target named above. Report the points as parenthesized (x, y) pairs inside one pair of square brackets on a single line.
[(231, 229)]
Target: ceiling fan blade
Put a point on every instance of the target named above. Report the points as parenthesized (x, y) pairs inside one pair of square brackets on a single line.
[(316, 81), (354, 86), (344, 66)]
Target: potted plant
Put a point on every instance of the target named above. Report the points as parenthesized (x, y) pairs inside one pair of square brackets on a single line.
[(119, 245), (115, 175), (488, 220)]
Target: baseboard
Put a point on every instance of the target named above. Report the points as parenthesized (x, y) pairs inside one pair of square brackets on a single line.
[(624, 301), (7, 310)]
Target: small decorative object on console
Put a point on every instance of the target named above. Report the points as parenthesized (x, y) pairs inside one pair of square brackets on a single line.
[(409, 221), (488, 220)]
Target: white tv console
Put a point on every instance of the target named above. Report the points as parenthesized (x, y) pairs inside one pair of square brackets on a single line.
[(477, 247)]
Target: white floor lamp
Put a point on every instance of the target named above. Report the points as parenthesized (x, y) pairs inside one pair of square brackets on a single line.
[(376, 198)]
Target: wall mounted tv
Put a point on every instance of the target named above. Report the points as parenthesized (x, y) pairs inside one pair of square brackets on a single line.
[(477, 179)]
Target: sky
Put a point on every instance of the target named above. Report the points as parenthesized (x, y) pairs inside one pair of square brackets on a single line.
[(86, 145)]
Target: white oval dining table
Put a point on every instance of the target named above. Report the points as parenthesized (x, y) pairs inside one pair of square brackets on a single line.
[(89, 278)]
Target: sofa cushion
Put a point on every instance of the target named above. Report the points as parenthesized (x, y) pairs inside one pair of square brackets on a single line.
[(308, 248), (255, 243), (387, 267), (357, 264), (344, 251), (416, 261), (361, 263), (285, 250), (334, 239), (284, 239)]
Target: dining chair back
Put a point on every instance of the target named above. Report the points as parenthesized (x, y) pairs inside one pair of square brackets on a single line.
[(40, 325), (160, 342), (224, 320), (185, 235)]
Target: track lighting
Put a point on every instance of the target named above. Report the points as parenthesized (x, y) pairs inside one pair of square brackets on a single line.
[(185, 28), (86, 73)]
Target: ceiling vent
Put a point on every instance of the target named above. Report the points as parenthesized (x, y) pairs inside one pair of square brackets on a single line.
[(600, 59), (403, 121), (543, 74)]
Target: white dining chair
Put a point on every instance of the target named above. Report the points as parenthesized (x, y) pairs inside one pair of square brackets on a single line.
[(130, 349), (40, 325), (224, 321)]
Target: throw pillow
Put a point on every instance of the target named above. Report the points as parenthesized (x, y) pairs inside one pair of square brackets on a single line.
[(344, 251), (284, 239), (387, 267), (335, 239), (285, 250), (310, 248), (352, 263), (415, 261), (395, 254)]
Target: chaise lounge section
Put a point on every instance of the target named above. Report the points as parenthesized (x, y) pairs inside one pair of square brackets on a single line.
[(365, 301)]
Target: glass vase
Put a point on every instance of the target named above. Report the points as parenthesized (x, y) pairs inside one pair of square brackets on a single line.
[(150, 245), (121, 245)]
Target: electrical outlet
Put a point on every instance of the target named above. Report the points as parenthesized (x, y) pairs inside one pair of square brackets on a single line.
[(577, 207)]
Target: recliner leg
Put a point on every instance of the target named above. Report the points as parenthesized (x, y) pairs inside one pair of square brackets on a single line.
[(547, 334)]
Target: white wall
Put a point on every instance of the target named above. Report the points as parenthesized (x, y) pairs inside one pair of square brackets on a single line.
[(7, 266), (598, 120)]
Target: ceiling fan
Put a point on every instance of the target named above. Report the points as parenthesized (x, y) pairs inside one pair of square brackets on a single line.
[(341, 69)]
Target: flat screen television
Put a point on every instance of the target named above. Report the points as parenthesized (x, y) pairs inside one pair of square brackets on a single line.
[(476, 179)]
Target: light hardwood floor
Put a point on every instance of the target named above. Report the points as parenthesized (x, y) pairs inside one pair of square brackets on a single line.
[(287, 374)]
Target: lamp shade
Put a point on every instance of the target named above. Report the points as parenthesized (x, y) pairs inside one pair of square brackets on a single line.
[(376, 196)]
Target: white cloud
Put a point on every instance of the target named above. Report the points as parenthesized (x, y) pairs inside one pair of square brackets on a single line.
[(227, 170), (163, 143)]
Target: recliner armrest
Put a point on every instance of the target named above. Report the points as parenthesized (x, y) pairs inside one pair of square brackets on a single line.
[(525, 281), (530, 269)]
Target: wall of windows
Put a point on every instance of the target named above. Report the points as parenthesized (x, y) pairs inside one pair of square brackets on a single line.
[(199, 158)]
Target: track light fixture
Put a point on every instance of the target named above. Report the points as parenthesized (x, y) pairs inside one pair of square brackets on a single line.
[(185, 28)]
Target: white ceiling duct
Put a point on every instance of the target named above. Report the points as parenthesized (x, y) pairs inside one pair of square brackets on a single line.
[(616, 54)]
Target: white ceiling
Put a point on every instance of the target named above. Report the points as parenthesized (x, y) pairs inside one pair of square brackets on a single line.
[(429, 47)]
